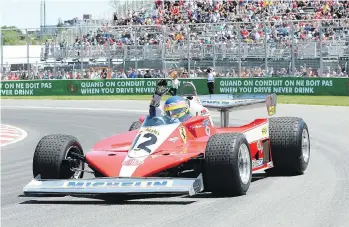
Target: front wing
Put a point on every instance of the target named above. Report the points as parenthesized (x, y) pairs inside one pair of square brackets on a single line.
[(121, 185)]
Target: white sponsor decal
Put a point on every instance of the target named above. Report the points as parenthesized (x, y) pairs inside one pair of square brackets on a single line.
[(257, 133), (173, 139), (133, 162), (257, 163)]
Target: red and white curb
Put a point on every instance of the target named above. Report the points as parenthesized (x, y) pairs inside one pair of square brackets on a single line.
[(10, 134)]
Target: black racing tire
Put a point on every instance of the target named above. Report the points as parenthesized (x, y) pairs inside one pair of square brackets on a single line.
[(286, 137), (221, 166), (50, 154), (135, 125)]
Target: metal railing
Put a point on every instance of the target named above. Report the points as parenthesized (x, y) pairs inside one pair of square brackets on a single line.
[(221, 46)]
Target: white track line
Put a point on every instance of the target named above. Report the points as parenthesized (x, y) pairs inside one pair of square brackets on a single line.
[(24, 134), (72, 108), (83, 109)]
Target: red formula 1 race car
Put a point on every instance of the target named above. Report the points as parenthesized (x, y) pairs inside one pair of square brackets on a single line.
[(158, 155)]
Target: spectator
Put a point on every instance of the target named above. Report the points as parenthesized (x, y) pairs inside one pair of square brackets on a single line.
[(175, 84), (122, 75), (104, 74), (147, 75), (210, 80), (132, 74)]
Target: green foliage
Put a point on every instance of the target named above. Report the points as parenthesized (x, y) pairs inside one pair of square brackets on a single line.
[(14, 36)]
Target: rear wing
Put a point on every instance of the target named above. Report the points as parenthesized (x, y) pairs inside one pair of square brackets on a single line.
[(225, 103)]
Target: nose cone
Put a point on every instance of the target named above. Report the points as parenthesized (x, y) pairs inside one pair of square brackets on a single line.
[(149, 139)]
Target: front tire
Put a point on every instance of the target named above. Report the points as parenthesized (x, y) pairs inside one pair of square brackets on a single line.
[(290, 145), (228, 165), (53, 157)]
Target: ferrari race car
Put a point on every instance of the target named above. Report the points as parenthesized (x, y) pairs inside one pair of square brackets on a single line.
[(157, 155)]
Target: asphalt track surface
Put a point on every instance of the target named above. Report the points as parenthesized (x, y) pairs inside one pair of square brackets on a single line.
[(317, 198)]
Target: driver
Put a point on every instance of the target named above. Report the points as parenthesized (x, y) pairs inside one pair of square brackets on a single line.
[(154, 107), (176, 107)]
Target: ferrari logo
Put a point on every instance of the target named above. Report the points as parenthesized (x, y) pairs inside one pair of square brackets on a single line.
[(271, 110), (183, 134), (264, 131), (271, 104), (72, 87)]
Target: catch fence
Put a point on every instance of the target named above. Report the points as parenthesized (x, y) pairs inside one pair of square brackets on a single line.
[(290, 49)]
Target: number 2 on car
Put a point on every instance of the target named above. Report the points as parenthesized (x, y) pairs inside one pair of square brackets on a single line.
[(144, 141)]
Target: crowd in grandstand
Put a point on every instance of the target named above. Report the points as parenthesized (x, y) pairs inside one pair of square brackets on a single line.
[(180, 12), (182, 73), (256, 20)]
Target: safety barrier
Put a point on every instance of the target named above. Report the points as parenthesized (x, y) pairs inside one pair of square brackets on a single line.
[(285, 86)]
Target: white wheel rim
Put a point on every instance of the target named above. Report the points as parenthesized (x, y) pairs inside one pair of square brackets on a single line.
[(305, 145), (244, 164)]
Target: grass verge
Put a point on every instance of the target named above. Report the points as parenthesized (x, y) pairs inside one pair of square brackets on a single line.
[(314, 100), (282, 99)]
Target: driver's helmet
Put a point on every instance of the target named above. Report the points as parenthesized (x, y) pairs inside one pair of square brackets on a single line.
[(176, 107)]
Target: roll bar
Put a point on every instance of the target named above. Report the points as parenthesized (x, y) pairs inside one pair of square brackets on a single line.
[(188, 85)]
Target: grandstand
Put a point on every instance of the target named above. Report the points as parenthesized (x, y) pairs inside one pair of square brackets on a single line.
[(255, 39)]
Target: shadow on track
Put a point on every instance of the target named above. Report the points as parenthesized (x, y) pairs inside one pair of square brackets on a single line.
[(103, 202), (113, 199), (110, 200)]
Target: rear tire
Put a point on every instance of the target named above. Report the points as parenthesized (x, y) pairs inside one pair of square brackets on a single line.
[(135, 125), (50, 155), (228, 165), (290, 145)]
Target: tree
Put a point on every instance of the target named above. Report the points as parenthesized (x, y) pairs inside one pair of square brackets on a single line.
[(11, 35), (60, 23), (14, 36)]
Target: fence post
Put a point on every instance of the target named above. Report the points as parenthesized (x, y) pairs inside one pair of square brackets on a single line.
[(2, 54), (265, 48), (214, 52), (136, 47), (321, 56), (82, 59), (54, 58), (239, 53), (163, 48), (109, 58), (293, 62), (28, 43), (188, 40)]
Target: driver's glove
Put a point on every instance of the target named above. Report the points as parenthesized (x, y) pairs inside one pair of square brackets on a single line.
[(160, 90), (161, 87)]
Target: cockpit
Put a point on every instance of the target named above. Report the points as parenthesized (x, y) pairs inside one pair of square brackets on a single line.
[(159, 120)]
